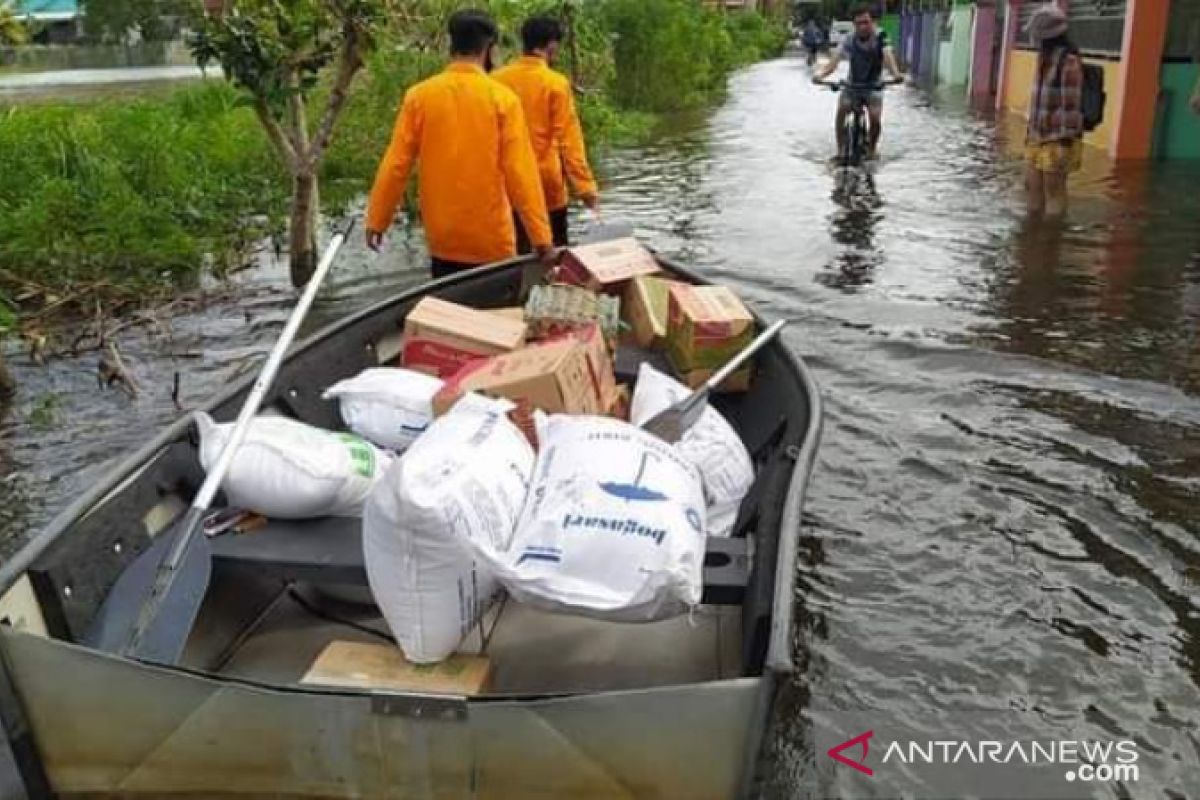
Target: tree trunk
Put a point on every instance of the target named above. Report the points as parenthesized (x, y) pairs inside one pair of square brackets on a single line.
[(8, 387), (302, 246)]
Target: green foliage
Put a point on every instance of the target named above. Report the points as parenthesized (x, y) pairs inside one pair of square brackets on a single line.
[(134, 194), (677, 54), (12, 30), (139, 196), (273, 49), (114, 20)]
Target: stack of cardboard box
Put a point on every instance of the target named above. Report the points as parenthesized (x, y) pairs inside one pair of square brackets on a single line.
[(555, 354)]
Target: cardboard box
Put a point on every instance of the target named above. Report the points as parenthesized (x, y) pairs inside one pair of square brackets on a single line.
[(644, 307), (512, 312), (440, 337), (555, 310), (737, 382), (379, 666), (606, 266), (556, 377), (619, 403), (706, 326), (599, 358)]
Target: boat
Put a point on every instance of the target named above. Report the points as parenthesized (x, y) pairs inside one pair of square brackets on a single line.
[(576, 708)]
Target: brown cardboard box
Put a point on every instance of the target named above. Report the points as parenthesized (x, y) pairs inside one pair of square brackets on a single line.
[(644, 307), (737, 382), (606, 266), (619, 402), (379, 666), (599, 358), (706, 326), (440, 337), (512, 312), (556, 377)]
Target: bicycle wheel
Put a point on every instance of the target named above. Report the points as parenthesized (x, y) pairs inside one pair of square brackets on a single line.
[(854, 142)]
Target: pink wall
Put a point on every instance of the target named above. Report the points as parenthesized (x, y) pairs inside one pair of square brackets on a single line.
[(1010, 36), (982, 55)]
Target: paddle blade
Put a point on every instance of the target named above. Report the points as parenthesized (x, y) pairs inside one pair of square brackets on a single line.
[(168, 632), (672, 423)]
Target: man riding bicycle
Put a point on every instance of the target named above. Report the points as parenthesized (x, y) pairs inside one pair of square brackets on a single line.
[(868, 52)]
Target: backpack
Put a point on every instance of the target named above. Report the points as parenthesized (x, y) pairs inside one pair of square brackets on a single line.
[(1092, 95)]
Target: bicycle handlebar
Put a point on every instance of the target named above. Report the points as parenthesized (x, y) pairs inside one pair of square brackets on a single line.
[(878, 86)]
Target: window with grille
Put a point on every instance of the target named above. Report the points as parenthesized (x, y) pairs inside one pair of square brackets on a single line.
[(1024, 14), (1183, 32), (1096, 26)]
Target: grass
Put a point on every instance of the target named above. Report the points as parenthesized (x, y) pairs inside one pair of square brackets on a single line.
[(123, 200)]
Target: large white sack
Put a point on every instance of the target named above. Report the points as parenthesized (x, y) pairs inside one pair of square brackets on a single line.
[(464, 481), (712, 445), (289, 470), (613, 528), (389, 406)]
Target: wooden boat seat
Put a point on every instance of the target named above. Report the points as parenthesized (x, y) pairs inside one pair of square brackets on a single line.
[(329, 551)]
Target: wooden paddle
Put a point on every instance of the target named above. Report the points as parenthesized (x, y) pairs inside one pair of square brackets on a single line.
[(167, 598), (672, 423)]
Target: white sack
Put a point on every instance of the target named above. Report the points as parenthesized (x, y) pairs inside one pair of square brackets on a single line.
[(712, 445), (289, 470), (387, 405), (464, 481), (613, 528)]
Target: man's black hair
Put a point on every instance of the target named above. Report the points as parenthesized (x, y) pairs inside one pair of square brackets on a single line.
[(538, 32), (472, 32), (859, 10)]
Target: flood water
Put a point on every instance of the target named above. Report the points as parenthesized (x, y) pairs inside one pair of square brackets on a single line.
[(1002, 537)]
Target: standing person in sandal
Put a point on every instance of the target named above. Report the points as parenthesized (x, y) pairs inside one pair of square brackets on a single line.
[(554, 127), (468, 135), (1054, 138)]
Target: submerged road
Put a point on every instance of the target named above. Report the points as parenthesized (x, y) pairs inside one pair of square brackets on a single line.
[(1003, 535)]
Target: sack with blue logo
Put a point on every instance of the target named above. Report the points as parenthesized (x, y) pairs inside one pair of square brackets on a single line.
[(613, 526), (712, 445)]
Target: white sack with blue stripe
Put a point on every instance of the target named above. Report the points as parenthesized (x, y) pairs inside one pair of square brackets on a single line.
[(613, 527)]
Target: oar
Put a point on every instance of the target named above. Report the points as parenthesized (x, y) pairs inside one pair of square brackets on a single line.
[(672, 423), (168, 598)]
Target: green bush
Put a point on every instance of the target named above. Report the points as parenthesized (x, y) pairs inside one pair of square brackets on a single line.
[(133, 197), (677, 54)]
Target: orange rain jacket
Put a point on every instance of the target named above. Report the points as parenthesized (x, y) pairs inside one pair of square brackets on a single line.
[(549, 106), (468, 134)]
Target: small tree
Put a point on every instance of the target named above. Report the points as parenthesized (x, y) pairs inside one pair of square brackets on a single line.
[(12, 31), (276, 51)]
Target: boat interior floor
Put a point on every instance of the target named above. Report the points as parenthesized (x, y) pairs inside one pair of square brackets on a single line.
[(530, 651)]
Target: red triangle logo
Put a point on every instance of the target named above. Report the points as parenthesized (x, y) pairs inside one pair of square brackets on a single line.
[(835, 752)]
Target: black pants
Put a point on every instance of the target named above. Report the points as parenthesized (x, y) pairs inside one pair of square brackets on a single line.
[(558, 229), (441, 267)]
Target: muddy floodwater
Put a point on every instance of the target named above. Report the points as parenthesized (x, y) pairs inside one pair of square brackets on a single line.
[(1002, 538)]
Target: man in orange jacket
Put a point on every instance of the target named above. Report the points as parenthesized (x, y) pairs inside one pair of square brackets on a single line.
[(549, 107), (469, 136)]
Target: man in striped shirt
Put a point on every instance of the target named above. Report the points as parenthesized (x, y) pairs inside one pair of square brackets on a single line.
[(1054, 138)]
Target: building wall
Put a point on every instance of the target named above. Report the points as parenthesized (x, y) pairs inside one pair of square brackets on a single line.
[(891, 24), (954, 56), (1179, 133), (1022, 64)]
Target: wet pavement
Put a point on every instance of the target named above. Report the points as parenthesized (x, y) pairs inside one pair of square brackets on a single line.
[(1003, 533)]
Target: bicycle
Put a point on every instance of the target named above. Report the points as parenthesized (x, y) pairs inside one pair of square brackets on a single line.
[(854, 145)]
